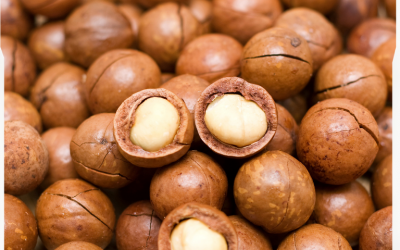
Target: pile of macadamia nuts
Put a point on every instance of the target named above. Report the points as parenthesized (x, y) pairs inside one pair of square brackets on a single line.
[(198, 124)]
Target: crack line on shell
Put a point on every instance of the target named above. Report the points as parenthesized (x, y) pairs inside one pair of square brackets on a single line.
[(205, 176), (345, 84), (151, 220), (80, 204), (217, 71), (43, 5), (96, 170), (112, 143), (79, 145), (93, 189), (42, 94), (272, 55), (321, 45), (181, 26), (13, 65)]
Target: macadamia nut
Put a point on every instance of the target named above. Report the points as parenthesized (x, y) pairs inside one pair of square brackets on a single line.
[(234, 120), (156, 124)]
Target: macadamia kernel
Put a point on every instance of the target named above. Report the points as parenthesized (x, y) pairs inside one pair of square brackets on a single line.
[(193, 234), (236, 121), (156, 123)]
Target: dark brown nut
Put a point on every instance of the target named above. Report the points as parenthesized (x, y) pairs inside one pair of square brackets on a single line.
[(349, 13), (377, 232), (95, 154), (390, 8), (275, 191), (74, 210), (46, 44), (58, 94), (345, 209), (235, 118), (165, 77), (296, 105), (194, 177), (366, 37), (20, 227), (26, 160), (50, 9), (279, 60), (152, 3), (216, 227), (164, 31), (352, 77), (385, 134), (322, 37), (57, 141), (95, 28), (381, 184), (19, 66), (15, 22), (338, 141), (383, 57), (244, 19), (16, 108), (322, 6), (164, 134), (211, 57), (137, 227), (132, 13), (286, 132), (315, 236), (116, 75), (249, 237), (188, 88), (202, 11), (78, 245)]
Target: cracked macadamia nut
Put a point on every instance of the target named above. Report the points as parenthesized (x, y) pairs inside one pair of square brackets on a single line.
[(78, 245), (315, 236), (164, 31), (16, 108), (116, 75), (26, 160), (322, 37), (74, 210), (95, 28), (235, 118), (46, 44), (61, 167), (202, 11), (275, 191), (95, 154), (385, 134), (20, 227), (211, 57), (369, 35), (19, 66), (338, 141), (343, 208), (196, 226), (50, 9), (244, 19), (383, 57), (353, 77), (58, 94), (153, 128), (377, 232), (15, 21), (381, 184), (137, 227), (194, 177), (279, 60)]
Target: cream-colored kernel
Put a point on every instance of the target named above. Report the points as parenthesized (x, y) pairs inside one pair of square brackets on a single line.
[(236, 121), (192, 234), (156, 124)]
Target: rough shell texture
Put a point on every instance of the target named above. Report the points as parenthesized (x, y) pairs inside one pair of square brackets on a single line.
[(26, 160), (323, 6), (194, 177), (50, 9), (377, 232), (338, 141), (78, 245), (20, 227), (212, 217), (381, 184), (275, 191), (385, 134), (138, 227), (108, 84), (74, 210), (15, 21), (211, 57), (383, 57)]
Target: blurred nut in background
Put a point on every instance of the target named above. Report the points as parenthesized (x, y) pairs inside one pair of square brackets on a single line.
[(296, 105), (202, 10), (377, 232), (385, 134), (381, 184), (390, 8), (323, 6), (15, 21), (50, 9), (152, 3), (132, 13), (78, 245)]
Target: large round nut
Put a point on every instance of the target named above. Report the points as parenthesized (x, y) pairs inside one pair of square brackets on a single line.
[(383, 57), (381, 184), (377, 232), (202, 11), (78, 245), (15, 21), (50, 9)]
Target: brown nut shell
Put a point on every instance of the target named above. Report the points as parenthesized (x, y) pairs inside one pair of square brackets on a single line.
[(78, 245), (212, 217), (20, 227), (132, 12), (296, 105), (15, 21), (381, 184), (202, 11), (50, 9), (152, 3), (338, 141), (125, 118), (26, 160), (194, 177), (323, 6), (138, 227), (95, 154), (74, 210), (275, 191), (315, 236), (383, 57), (249, 91), (377, 232), (390, 8), (385, 134)]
